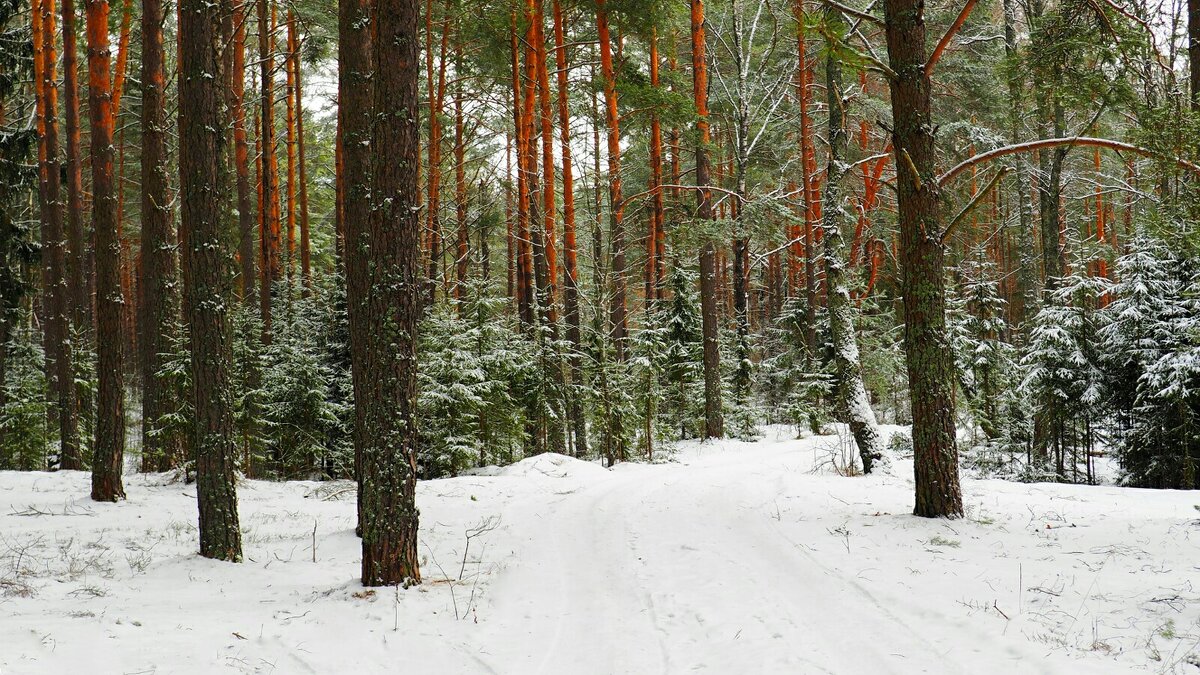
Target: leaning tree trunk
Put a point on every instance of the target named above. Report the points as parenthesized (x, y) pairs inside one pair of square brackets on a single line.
[(714, 422), (109, 450), (928, 354), (202, 126), (851, 390), (385, 318), (159, 283)]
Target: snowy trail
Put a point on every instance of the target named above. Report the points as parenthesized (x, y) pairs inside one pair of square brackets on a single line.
[(701, 581), (733, 558)]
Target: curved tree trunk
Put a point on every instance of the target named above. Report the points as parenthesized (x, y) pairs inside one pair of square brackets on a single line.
[(851, 390)]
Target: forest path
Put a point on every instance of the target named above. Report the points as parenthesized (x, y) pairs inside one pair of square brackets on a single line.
[(691, 566)]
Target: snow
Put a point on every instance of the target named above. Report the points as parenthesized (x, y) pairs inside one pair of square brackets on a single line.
[(734, 557)]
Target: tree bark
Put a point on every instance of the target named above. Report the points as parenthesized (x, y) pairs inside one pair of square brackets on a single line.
[(109, 446), (616, 206), (241, 155), (202, 123), (355, 99), (570, 251), (714, 421), (269, 239), (851, 390), (302, 177), (57, 313), (386, 318), (159, 278), (928, 355), (81, 301)]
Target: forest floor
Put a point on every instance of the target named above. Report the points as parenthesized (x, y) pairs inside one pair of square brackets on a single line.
[(726, 558)]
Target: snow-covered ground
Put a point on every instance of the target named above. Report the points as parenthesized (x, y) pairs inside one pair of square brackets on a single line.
[(733, 558)]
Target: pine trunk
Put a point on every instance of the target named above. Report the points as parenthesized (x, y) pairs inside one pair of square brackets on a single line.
[(616, 204), (848, 374), (109, 445), (714, 422), (385, 318), (202, 123), (269, 239), (54, 275), (81, 301), (570, 252), (160, 291), (929, 357), (242, 156)]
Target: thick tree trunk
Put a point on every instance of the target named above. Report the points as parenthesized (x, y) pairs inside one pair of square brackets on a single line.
[(202, 123), (54, 275), (851, 390), (109, 446), (159, 279), (929, 357), (386, 317), (714, 421)]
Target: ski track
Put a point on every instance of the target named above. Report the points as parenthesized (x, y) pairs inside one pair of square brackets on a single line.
[(733, 558)]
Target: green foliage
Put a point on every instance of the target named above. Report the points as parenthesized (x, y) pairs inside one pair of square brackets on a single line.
[(24, 434), (478, 386)]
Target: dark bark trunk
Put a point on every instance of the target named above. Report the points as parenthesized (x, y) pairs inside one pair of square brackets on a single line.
[(109, 446), (355, 97), (246, 221), (1027, 270), (202, 124), (56, 309), (714, 422), (269, 177), (159, 280), (81, 301), (385, 318), (929, 358)]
